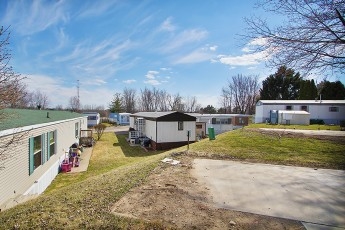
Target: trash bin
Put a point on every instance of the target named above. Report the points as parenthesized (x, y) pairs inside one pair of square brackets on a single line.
[(211, 135)]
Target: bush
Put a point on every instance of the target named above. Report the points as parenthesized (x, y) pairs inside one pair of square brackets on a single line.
[(317, 122), (342, 124), (99, 130)]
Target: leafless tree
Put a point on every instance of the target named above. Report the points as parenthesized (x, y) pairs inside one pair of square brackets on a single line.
[(191, 104), (74, 103), (10, 82), (243, 91), (175, 103), (38, 100), (128, 97), (146, 99), (162, 101), (312, 37), (225, 100)]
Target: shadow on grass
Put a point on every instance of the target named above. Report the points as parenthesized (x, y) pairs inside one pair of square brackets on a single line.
[(133, 151)]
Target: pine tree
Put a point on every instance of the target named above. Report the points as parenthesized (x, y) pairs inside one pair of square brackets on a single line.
[(283, 85)]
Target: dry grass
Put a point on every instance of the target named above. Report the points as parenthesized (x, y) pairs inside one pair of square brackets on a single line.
[(83, 200)]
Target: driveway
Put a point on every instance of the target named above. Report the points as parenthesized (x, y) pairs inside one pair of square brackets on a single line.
[(310, 132), (314, 196)]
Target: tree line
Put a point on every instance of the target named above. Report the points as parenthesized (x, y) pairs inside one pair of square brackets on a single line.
[(311, 39)]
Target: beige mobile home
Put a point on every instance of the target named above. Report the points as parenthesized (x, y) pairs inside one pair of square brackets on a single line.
[(33, 145)]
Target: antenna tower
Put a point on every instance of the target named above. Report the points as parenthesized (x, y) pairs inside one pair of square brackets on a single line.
[(78, 91)]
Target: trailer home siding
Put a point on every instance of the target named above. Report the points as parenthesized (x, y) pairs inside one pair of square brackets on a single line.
[(18, 172)]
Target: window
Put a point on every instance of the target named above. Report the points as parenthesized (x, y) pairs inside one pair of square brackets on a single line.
[(76, 130), (334, 109), (221, 120), (41, 148), (288, 107), (199, 126), (180, 125), (51, 144), (304, 108), (92, 118), (241, 120), (37, 151)]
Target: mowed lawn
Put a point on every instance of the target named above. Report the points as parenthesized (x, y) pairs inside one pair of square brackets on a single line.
[(265, 147), (84, 200)]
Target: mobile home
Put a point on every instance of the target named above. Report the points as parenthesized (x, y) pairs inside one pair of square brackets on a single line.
[(42, 138)]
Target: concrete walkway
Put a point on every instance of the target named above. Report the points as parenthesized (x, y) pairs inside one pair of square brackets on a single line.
[(84, 161), (315, 197)]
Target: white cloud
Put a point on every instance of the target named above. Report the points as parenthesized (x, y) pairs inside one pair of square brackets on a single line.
[(96, 8), (129, 81), (29, 17), (250, 58), (152, 78), (184, 38), (198, 55), (151, 74), (213, 48), (152, 82), (244, 60), (59, 92), (167, 25), (102, 59)]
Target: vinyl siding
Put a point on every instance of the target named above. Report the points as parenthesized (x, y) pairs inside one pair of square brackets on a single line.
[(317, 111), (15, 179), (168, 131), (150, 129)]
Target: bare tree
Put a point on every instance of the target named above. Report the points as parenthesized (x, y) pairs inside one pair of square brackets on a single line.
[(243, 90), (313, 37), (38, 100), (128, 97), (225, 100), (191, 104), (175, 103), (10, 82), (74, 103)]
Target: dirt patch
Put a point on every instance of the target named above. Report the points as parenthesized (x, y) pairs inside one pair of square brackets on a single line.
[(171, 195)]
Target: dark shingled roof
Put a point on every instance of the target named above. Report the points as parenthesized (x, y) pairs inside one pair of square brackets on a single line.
[(16, 118), (164, 116)]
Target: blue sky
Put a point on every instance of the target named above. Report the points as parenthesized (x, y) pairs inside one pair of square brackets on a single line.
[(186, 47)]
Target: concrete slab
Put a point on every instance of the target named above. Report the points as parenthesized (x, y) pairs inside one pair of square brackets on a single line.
[(316, 197), (84, 161)]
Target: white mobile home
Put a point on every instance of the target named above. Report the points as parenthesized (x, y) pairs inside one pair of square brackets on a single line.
[(31, 162), (123, 118), (330, 111), (220, 122), (164, 129), (93, 118)]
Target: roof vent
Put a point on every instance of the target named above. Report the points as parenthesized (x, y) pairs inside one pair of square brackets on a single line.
[(48, 115)]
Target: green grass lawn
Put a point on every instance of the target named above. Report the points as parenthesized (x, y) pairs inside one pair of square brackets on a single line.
[(247, 144), (84, 200)]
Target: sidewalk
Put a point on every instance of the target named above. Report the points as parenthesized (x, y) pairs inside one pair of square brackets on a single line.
[(84, 161)]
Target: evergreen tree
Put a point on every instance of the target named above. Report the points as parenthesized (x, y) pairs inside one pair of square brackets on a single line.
[(116, 104), (308, 90), (282, 85), (332, 90)]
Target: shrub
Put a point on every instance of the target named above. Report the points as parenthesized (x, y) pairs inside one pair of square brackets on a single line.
[(317, 122), (99, 130)]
